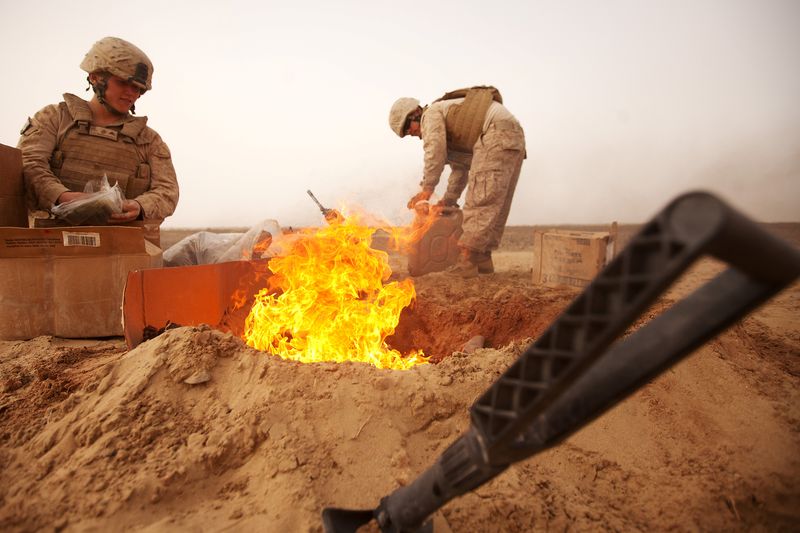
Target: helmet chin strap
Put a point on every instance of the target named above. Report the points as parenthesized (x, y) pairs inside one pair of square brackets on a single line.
[(99, 89)]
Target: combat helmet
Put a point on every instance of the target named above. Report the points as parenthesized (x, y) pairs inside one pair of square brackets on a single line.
[(399, 113), (122, 59)]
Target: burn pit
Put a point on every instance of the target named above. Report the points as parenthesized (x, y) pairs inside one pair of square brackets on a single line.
[(429, 316), (503, 308), (339, 287)]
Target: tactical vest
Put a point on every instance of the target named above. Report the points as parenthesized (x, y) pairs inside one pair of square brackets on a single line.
[(464, 121), (86, 152)]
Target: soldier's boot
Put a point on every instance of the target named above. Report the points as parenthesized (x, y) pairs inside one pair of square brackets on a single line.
[(484, 262), (466, 267)]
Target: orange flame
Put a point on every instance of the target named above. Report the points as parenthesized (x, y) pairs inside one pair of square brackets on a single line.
[(401, 238), (329, 300)]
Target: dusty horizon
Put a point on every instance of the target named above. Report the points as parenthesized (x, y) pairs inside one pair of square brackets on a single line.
[(625, 105)]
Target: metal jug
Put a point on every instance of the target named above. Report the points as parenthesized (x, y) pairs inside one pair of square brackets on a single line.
[(437, 247)]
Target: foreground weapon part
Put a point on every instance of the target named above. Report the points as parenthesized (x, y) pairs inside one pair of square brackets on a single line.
[(575, 370)]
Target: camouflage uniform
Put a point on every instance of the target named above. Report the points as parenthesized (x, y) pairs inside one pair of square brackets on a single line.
[(489, 174), (62, 151)]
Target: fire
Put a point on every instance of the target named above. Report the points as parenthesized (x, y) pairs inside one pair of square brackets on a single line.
[(329, 299), (402, 237)]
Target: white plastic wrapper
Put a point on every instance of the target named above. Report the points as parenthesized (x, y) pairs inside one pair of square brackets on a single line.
[(95, 209), (206, 247)]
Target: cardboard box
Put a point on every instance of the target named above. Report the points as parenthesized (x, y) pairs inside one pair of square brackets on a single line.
[(13, 211), (219, 295), (152, 230), (564, 257), (68, 282)]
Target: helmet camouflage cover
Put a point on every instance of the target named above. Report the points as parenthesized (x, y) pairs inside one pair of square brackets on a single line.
[(399, 113), (122, 59)]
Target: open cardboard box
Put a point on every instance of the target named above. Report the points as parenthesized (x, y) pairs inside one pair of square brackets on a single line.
[(68, 282), (219, 295)]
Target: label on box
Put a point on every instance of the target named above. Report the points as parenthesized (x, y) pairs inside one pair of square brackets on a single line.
[(32, 242), (78, 238)]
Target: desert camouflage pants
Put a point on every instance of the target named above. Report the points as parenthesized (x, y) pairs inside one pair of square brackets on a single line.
[(496, 164)]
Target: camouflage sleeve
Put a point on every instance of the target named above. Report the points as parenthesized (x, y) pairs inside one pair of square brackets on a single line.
[(160, 200), (434, 139), (37, 142), (456, 183)]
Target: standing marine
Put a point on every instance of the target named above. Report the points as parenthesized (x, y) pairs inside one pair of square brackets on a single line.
[(75, 142), (471, 131)]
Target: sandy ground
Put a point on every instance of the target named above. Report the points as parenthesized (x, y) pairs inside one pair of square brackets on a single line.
[(195, 431)]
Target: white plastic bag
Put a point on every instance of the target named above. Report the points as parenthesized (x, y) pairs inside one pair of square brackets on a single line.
[(102, 201), (201, 248), (205, 247), (256, 243)]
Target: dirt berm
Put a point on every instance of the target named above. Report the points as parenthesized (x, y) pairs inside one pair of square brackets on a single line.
[(194, 431)]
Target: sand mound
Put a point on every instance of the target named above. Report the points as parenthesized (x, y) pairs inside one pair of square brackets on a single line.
[(194, 431), (195, 411)]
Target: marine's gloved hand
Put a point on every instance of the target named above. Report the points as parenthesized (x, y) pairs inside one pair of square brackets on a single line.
[(332, 216), (421, 196), (131, 209)]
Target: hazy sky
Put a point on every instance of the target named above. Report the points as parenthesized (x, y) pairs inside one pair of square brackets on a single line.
[(625, 103)]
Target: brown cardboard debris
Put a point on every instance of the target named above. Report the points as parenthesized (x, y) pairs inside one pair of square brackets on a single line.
[(67, 282), (219, 295)]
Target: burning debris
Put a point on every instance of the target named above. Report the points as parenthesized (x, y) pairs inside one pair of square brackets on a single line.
[(326, 294), (329, 299)]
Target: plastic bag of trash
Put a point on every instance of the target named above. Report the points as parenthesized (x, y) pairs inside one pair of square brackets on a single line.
[(201, 248), (102, 201), (255, 243), (206, 247)]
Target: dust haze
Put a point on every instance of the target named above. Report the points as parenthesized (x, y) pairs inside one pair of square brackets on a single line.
[(624, 105)]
